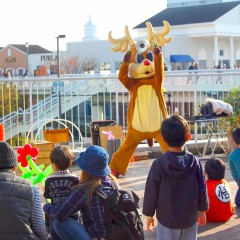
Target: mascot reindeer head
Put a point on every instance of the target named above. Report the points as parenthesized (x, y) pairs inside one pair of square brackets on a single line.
[(141, 65)]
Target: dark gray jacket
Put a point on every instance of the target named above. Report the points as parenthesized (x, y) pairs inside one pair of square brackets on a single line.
[(175, 190), (15, 207)]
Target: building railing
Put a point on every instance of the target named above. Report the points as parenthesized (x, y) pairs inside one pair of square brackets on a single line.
[(82, 99)]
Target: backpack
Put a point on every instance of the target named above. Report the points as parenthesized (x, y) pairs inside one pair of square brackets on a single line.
[(122, 214)]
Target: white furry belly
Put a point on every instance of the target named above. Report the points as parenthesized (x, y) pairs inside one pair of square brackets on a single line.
[(147, 115)]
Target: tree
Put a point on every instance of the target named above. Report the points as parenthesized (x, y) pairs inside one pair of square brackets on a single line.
[(88, 65), (233, 98), (11, 99), (71, 65), (229, 123)]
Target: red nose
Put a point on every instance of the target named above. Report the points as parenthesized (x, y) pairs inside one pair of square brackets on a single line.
[(146, 62)]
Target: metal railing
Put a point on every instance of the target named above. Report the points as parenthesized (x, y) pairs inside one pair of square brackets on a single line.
[(83, 99)]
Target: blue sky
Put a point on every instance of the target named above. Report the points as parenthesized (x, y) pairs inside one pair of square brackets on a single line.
[(39, 22)]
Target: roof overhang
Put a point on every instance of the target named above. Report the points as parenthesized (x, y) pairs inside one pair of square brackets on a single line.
[(181, 58)]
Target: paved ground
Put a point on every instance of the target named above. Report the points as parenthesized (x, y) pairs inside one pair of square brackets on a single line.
[(136, 178)]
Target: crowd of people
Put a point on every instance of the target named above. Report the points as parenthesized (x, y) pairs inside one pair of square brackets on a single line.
[(6, 73), (178, 192)]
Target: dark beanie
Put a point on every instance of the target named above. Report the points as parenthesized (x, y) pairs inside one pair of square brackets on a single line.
[(8, 157)]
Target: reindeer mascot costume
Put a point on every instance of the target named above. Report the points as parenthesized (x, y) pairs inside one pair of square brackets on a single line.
[(142, 73)]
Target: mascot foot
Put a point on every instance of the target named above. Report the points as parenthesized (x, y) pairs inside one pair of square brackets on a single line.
[(114, 173), (150, 142)]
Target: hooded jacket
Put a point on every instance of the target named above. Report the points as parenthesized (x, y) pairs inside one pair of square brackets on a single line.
[(175, 190)]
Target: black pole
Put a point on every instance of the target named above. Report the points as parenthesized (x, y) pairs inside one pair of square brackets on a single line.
[(58, 61), (58, 73)]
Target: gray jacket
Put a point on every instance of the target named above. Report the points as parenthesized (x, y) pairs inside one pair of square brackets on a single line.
[(15, 207)]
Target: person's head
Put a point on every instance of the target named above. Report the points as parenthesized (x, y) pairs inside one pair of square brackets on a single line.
[(94, 161), (236, 135), (94, 164), (175, 131), (215, 169), (61, 157), (8, 157)]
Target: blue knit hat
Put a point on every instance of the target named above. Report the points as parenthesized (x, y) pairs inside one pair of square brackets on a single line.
[(95, 161)]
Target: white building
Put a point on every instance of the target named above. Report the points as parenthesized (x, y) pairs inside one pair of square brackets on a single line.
[(205, 34), (18, 58), (208, 33)]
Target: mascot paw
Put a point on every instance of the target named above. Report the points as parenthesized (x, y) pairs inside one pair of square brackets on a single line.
[(157, 51), (127, 57), (114, 173)]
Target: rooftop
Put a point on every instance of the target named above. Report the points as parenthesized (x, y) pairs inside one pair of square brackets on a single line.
[(190, 14)]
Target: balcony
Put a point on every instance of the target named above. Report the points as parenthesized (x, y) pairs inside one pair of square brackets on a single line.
[(74, 101)]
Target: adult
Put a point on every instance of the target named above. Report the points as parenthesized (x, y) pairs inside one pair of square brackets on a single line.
[(25, 74), (20, 207), (5, 73), (191, 67)]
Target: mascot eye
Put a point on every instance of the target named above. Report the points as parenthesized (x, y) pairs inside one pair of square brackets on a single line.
[(139, 57), (142, 45), (150, 56)]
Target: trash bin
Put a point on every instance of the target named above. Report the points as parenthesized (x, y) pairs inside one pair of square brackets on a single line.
[(94, 129), (112, 146)]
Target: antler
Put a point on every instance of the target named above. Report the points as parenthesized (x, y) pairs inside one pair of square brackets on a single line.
[(121, 43), (159, 37)]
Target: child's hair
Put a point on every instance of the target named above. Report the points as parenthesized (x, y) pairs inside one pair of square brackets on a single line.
[(174, 130), (93, 182), (236, 135), (215, 169), (62, 156)]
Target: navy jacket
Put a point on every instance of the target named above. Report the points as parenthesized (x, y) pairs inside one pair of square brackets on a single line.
[(175, 190)]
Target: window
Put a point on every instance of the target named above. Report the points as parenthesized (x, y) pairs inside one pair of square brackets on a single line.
[(53, 69), (118, 64), (88, 109), (20, 72), (107, 110), (221, 53), (104, 66), (9, 52)]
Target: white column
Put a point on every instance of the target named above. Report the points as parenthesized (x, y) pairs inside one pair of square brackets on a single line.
[(216, 50), (232, 61)]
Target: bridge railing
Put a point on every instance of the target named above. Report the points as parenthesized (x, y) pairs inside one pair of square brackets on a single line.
[(82, 99)]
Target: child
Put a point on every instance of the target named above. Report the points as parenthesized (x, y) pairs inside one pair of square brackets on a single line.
[(220, 205), (234, 163), (175, 187), (60, 183), (95, 174)]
